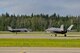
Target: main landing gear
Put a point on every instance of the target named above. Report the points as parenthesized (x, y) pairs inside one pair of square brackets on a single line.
[(55, 35), (65, 35)]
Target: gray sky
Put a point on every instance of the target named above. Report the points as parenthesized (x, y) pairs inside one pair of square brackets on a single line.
[(62, 7)]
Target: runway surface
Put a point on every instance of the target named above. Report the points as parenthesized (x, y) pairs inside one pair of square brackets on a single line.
[(42, 36), (38, 50)]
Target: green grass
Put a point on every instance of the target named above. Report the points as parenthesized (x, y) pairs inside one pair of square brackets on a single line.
[(39, 42)]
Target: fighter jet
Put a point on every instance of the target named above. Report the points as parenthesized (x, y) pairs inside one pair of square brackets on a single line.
[(60, 30), (18, 30)]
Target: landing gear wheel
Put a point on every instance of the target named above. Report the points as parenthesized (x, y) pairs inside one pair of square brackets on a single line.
[(55, 35), (51, 35), (65, 35), (16, 32)]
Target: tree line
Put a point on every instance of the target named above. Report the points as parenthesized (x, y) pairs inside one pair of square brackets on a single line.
[(38, 22)]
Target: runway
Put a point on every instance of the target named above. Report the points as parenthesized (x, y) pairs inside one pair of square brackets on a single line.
[(39, 36), (38, 50)]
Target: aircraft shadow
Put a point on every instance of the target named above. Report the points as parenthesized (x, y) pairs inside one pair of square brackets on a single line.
[(68, 36)]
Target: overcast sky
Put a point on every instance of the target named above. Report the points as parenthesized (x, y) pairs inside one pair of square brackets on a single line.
[(62, 7)]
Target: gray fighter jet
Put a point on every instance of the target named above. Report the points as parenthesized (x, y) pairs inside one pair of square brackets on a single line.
[(60, 30), (18, 30)]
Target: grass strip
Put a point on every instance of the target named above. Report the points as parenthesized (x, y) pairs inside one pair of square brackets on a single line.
[(39, 42)]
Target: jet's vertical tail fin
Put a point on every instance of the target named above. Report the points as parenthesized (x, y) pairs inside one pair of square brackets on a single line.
[(62, 27), (70, 27), (9, 28)]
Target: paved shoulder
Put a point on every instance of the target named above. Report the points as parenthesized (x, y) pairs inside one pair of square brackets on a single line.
[(38, 50)]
